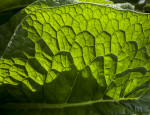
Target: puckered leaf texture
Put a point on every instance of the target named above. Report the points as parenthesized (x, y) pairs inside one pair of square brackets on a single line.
[(81, 59), (12, 24)]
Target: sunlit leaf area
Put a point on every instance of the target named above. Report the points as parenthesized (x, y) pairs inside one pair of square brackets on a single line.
[(75, 57)]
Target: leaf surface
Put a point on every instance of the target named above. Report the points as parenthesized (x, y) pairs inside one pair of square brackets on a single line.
[(98, 1), (82, 59), (14, 4), (15, 20)]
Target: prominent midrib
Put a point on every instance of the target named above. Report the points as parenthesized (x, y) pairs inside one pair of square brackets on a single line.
[(53, 106)]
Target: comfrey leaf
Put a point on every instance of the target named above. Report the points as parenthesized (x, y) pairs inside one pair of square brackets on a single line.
[(79, 59), (12, 24), (98, 1), (9, 5)]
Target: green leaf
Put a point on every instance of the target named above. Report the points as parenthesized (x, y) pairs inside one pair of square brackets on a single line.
[(141, 106), (12, 24), (122, 1), (98, 1), (76, 59), (14, 4), (11, 7)]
